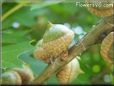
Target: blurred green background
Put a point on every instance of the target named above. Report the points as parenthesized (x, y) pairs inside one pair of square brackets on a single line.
[(26, 25)]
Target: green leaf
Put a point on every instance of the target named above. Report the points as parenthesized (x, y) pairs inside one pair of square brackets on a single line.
[(43, 4), (36, 65), (24, 16), (12, 36), (10, 54)]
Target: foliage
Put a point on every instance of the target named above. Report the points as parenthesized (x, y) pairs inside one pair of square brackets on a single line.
[(23, 28)]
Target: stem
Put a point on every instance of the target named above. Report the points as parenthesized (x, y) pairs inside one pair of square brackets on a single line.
[(12, 11)]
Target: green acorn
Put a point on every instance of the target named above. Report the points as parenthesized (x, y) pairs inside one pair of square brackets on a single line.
[(55, 43)]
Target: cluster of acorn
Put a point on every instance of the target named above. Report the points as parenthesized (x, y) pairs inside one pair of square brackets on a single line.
[(55, 44), (56, 41), (17, 76)]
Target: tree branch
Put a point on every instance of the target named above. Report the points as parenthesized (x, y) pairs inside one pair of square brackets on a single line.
[(12, 11), (93, 37)]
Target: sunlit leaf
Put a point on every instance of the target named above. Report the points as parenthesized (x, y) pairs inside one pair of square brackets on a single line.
[(44, 4), (10, 54)]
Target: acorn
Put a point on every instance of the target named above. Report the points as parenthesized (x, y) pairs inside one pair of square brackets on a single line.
[(10, 78), (55, 42), (25, 74), (40, 53), (107, 48), (100, 8), (70, 72)]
